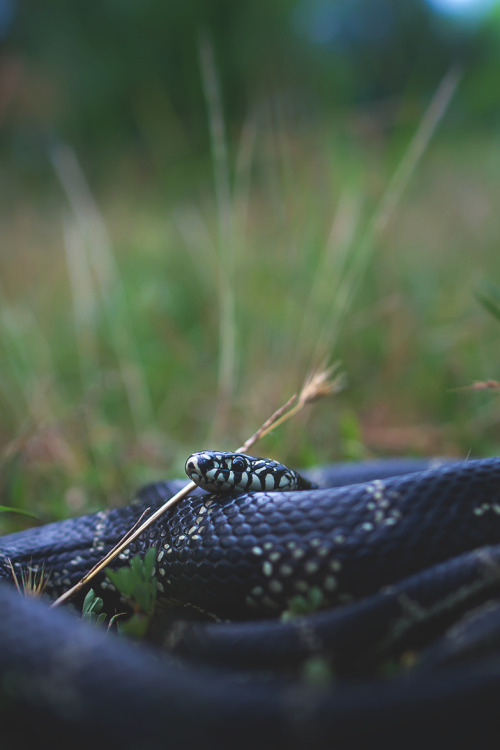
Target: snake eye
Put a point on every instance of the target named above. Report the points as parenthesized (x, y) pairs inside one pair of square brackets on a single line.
[(239, 464)]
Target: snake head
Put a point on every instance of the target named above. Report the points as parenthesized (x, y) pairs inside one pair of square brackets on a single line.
[(218, 471), (223, 472)]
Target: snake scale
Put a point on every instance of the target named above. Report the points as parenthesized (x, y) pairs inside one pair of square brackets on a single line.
[(395, 566)]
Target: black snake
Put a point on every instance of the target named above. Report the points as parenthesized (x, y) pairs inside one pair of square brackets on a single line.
[(395, 567)]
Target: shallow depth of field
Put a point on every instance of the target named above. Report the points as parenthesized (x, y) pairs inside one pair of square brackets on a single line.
[(174, 261)]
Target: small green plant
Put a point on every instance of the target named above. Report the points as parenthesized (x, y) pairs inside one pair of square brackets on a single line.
[(311, 602), (92, 608), (136, 584)]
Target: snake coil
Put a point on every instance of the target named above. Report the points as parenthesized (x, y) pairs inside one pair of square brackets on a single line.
[(364, 610)]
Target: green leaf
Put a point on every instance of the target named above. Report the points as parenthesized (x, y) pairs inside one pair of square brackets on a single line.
[(149, 562), (123, 580), (20, 511), (311, 602), (135, 627), (136, 584), (92, 606)]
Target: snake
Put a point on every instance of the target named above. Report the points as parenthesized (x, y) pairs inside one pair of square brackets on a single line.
[(347, 605)]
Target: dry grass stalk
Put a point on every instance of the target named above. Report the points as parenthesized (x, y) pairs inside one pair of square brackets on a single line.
[(32, 582), (481, 385), (268, 425), (125, 541), (317, 385)]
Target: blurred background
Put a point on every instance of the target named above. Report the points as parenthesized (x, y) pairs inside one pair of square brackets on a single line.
[(202, 201)]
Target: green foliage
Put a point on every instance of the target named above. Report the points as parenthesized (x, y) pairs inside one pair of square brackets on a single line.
[(108, 77), (351, 436), (92, 608), (136, 583), (110, 335), (19, 511), (307, 604)]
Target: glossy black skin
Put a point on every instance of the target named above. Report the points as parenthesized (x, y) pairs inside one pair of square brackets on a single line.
[(242, 683)]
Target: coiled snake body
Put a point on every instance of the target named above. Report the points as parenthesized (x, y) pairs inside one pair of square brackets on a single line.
[(394, 571)]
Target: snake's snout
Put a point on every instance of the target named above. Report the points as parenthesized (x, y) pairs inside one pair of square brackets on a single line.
[(191, 466), (209, 470), (197, 467)]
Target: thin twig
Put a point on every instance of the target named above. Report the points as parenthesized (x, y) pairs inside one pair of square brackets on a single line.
[(481, 385), (317, 385), (124, 541), (268, 425), (129, 537), (14, 576)]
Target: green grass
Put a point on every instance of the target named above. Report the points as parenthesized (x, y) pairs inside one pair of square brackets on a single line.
[(144, 322)]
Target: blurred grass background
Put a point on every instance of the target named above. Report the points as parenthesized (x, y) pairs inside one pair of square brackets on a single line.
[(201, 203)]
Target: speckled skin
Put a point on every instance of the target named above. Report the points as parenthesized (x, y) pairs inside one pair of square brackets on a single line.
[(226, 472), (248, 556), (406, 565)]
